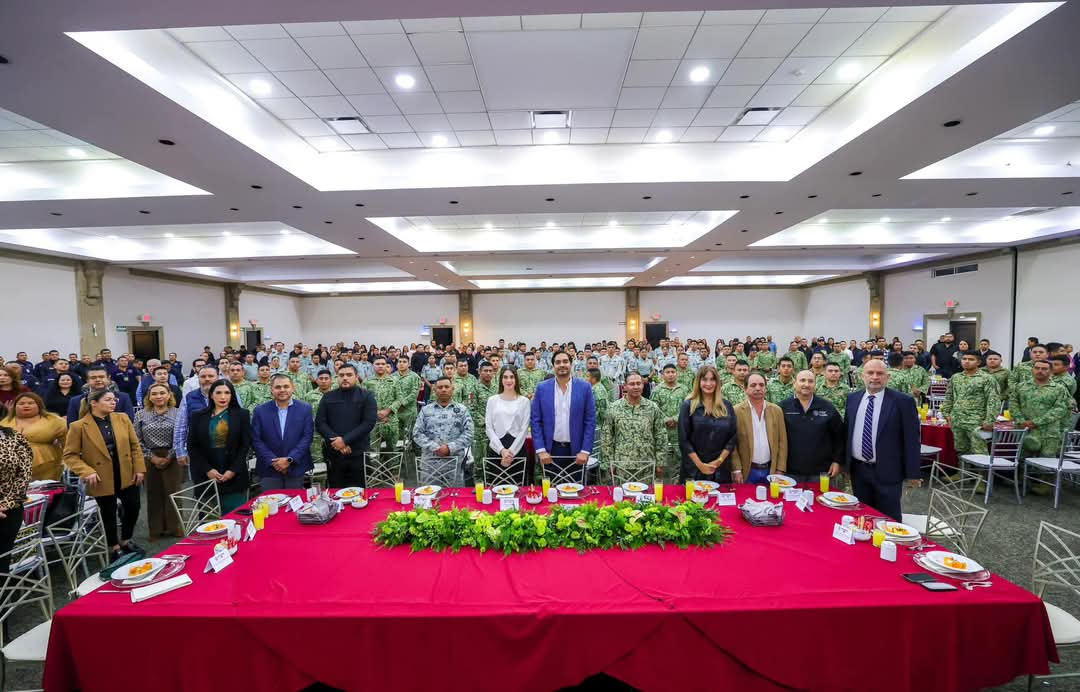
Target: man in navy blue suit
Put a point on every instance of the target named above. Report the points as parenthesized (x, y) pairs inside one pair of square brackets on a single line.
[(281, 432), (97, 377), (883, 441), (563, 418)]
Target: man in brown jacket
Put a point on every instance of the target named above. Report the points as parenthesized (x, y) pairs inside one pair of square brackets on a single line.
[(762, 437)]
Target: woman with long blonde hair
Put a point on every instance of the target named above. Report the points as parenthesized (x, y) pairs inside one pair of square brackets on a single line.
[(707, 430)]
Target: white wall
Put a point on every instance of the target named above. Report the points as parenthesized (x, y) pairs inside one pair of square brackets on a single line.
[(1044, 304), (910, 295), (726, 313), (840, 310), (532, 317), (40, 309), (192, 315), (376, 319), (277, 315)]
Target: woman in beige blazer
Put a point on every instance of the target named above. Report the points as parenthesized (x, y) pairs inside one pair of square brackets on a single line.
[(775, 431), (104, 451)]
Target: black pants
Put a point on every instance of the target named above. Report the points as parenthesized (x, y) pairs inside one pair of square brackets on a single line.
[(884, 497), (9, 528), (129, 504), (562, 459), (344, 472), (493, 462)]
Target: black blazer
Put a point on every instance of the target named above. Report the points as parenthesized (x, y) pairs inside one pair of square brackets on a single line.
[(201, 453), (898, 435), (350, 415), (705, 436)]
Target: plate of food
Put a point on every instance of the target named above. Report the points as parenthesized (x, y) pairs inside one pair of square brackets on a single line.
[(900, 533), (349, 493), (569, 489), (953, 562), (781, 480), (141, 569), (280, 498), (504, 490), (705, 486), (428, 490), (635, 488), (840, 499), (211, 528)]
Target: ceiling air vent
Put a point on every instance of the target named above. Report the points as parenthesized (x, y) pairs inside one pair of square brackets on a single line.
[(956, 269), (758, 116), (550, 119), (348, 125)]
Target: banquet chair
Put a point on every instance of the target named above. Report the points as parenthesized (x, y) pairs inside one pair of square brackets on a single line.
[(633, 472), (497, 474), (18, 589), (573, 473), (447, 474), (936, 393), (1057, 566), (1005, 449), (953, 522), (77, 539), (959, 482), (928, 453), (1067, 463), (33, 527), (383, 469), (197, 504)]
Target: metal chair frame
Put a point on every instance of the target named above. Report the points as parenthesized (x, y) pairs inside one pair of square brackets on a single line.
[(383, 469), (197, 504), (1006, 447), (78, 538), (494, 473), (18, 589), (1056, 565), (954, 481), (573, 473), (626, 471), (1066, 464), (954, 522)]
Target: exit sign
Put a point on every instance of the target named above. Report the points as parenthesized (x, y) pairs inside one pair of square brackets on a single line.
[(951, 304), (121, 328)]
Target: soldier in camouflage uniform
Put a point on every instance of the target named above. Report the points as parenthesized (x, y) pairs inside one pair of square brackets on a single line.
[(971, 404), (1043, 407), (530, 375), (384, 388), (684, 374), (839, 357), (409, 385), (1059, 374), (1000, 374), (783, 385), (798, 358), (485, 387), (255, 393), (1021, 372), (916, 378), (606, 382), (301, 380), (833, 389), (727, 369), (634, 429), (817, 366), (898, 378), (463, 383), (444, 432), (601, 401), (324, 383), (764, 362), (735, 391), (669, 396)]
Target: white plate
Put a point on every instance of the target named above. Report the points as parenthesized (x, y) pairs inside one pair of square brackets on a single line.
[(784, 481), (841, 499), (635, 488), (125, 572), (348, 494), (426, 490), (205, 530), (705, 486), (280, 498), (358, 503), (569, 489), (504, 490), (911, 535), (938, 558), (34, 497)]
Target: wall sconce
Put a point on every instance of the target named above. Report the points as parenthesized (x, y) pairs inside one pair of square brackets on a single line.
[(875, 318), (234, 330)]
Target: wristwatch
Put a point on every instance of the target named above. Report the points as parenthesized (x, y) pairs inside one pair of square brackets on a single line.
[(290, 460)]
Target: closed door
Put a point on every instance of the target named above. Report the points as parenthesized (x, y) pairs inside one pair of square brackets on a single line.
[(966, 330), (145, 344), (444, 336), (654, 331), (252, 339)]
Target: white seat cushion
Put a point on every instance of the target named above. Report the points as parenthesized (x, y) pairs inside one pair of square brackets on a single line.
[(1051, 464), (319, 467), (984, 461), (915, 521), (33, 645), (89, 585), (926, 450), (1066, 627)]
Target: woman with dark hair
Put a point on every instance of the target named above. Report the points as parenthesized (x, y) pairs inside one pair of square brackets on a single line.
[(16, 460), (103, 450), (10, 385), (219, 437), (43, 430), (60, 393), (506, 420)]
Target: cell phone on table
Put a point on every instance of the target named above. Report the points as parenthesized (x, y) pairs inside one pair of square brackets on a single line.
[(243, 512), (928, 582)]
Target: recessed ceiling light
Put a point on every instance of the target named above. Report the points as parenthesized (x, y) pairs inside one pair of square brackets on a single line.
[(284, 231), (811, 197), (297, 206), (77, 153), (699, 74), (439, 140), (549, 199), (488, 225), (405, 80), (550, 224), (359, 204), (824, 221), (848, 71), (234, 209), (261, 87), (884, 219), (112, 237), (551, 137), (663, 136), (57, 213), (855, 173), (744, 196), (453, 201), (970, 194), (226, 233), (1044, 130), (170, 235), (946, 218), (646, 197), (613, 222), (256, 187)]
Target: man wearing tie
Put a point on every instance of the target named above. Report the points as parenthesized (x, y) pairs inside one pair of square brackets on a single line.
[(563, 418), (883, 441)]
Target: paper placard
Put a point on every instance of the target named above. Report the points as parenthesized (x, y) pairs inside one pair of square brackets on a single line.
[(509, 503), (802, 503), (218, 561), (250, 531), (422, 502), (296, 503), (725, 499), (843, 534), (643, 499), (792, 495)]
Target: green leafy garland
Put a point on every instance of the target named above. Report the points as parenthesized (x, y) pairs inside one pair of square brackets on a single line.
[(584, 527)]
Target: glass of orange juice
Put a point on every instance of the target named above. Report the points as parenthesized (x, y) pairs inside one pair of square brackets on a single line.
[(479, 492), (658, 490), (689, 489), (774, 489), (545, 485), (258, 516), (398, 487), (878, 537), (823, 483)]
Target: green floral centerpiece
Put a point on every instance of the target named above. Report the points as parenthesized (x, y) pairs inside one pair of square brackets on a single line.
[(584, 527)]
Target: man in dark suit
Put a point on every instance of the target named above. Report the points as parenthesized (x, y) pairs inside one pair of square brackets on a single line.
[(97, 377), (345, 419), (563, 418), (281, 435), (883, 441)]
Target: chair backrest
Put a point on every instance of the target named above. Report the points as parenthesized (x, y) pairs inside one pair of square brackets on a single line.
[(570, 473), (197, 504), (77, 538), (1007, 444), (33, 521), (25, 587), (938, 389), (1057, 559), (954, 522), (497, 474), (633, 472), (1070, 447), (383, 469), (955, 481), (449, 472)]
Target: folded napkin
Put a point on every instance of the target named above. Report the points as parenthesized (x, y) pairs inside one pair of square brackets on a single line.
[(146, 592), (759, 511)]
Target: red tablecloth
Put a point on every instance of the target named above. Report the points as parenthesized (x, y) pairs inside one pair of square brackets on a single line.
[(774, 608), (941, 436)]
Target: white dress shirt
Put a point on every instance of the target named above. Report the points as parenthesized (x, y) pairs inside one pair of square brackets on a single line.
[(562, 412), (860, 421), (504, 417), (762, 452)]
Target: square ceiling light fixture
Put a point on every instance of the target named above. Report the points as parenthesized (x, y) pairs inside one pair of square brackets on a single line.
[(551, 119), (758, 116)]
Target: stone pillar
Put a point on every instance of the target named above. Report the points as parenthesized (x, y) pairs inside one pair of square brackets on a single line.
[(875, 281), (465, 317), (232, 314), (90, 299), (633, 316)]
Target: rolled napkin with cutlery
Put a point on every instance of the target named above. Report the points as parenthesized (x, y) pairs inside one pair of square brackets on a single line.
[(147, 592)]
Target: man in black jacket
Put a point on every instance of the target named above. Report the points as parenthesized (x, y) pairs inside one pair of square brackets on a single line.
[(345, 420), (815, 431)]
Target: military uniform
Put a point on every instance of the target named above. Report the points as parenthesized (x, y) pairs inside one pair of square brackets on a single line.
[(314, 397), (613, 368), (301, 383), (478, 410), (633, 433), (837, 396), (764, 363), (580, 369), (898, 380), (438, 425), (842, 359), (528, 379), (254, 393), (798, 359), (1049, 407), (670, 399), (970, 402), (733, 392), (685, 378), (409, 386), (776, 390), (600, 404), (917, 379), (1020, 373), (1001, 376), (1067, 381), (386, 397), (463, 390)]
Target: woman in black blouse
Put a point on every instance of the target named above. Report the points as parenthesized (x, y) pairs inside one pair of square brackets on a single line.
[(219, 437), (706, 430), (60, 393)]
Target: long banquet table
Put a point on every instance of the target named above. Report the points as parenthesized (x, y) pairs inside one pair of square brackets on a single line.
[(771, 609)]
